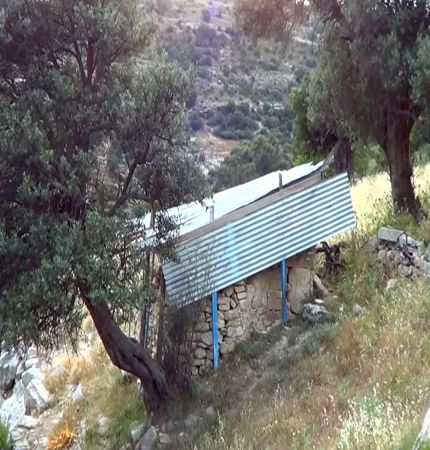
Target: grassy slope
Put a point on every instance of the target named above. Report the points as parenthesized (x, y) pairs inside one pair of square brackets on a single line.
[(366, 386), (362, 384)]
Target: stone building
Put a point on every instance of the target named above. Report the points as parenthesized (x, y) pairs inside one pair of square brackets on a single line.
[(247, 250)]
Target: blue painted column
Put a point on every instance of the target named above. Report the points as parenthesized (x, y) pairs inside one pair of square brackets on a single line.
[(215, 329), (284, 288)]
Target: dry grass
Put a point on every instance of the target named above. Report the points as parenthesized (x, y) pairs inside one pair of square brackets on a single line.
[(106, 398), (363, 391), (366, 385)]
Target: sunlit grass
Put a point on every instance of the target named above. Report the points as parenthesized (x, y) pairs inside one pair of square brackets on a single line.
[(363, 385)]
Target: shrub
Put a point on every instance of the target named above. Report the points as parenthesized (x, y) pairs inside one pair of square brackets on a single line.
[(196, 122), (206, 15), (5, 438)]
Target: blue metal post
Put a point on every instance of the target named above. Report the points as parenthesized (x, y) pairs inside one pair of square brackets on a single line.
[(284, 288), (215, 329)]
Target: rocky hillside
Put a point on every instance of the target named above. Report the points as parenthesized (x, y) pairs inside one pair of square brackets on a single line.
[(351, 373), (242, 86)]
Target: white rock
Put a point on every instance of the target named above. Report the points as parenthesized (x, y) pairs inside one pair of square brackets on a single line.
[(8, 366), (165, 439), (103, 424), (31, 353), (31, 363), (36, 396), (148, 440), (31, 374), (315, 313), (27, 422), (391, 284), (13, 409), (78, 393), (357, 310), (423, 437), (136, 432)]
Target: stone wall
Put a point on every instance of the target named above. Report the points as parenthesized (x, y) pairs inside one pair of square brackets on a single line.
[(253, 305)]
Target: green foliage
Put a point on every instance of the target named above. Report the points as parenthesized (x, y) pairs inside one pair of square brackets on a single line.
[(264, 154), (5, 439), (233, 121), (88, 143)]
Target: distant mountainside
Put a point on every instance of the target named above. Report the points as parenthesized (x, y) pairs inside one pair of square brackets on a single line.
[(242, 87)]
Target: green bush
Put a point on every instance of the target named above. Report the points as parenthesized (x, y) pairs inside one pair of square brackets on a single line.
[(5, 438)]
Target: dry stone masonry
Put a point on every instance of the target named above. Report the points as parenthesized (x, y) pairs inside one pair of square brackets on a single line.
[(249, 306), (402, 255)]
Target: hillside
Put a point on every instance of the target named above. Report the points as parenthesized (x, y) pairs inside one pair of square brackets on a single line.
[(242, 87), (360, 382)]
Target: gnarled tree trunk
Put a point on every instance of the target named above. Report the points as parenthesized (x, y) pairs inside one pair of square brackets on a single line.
[(396, 148), (344, 158), (129, 355)]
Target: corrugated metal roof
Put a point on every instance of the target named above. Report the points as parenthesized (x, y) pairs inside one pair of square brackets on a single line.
[(259, 240), (192, 216)]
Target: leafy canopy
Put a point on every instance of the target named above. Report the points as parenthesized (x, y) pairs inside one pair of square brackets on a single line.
[(89, 141)]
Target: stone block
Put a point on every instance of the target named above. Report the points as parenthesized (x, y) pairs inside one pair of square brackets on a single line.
[(240, 289), (224, 307), (224, 301), (231, 332), (389, 234), (241, 295), (245, 305), (251, 290), (301, 288), (207, 338), (229, 291), (200, 353), (233, 304), (202, 326), (232, 314), (198, 362)]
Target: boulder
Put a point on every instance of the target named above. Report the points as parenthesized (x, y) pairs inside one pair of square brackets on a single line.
[(136, 432), (164, 439), (315, 314), (148, 440), (8, 366), (29, 363), (12, 410), (27, 422), (31, 374), (36, 396)]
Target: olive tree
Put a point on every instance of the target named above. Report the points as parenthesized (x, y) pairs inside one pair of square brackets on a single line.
[(88, 141)]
